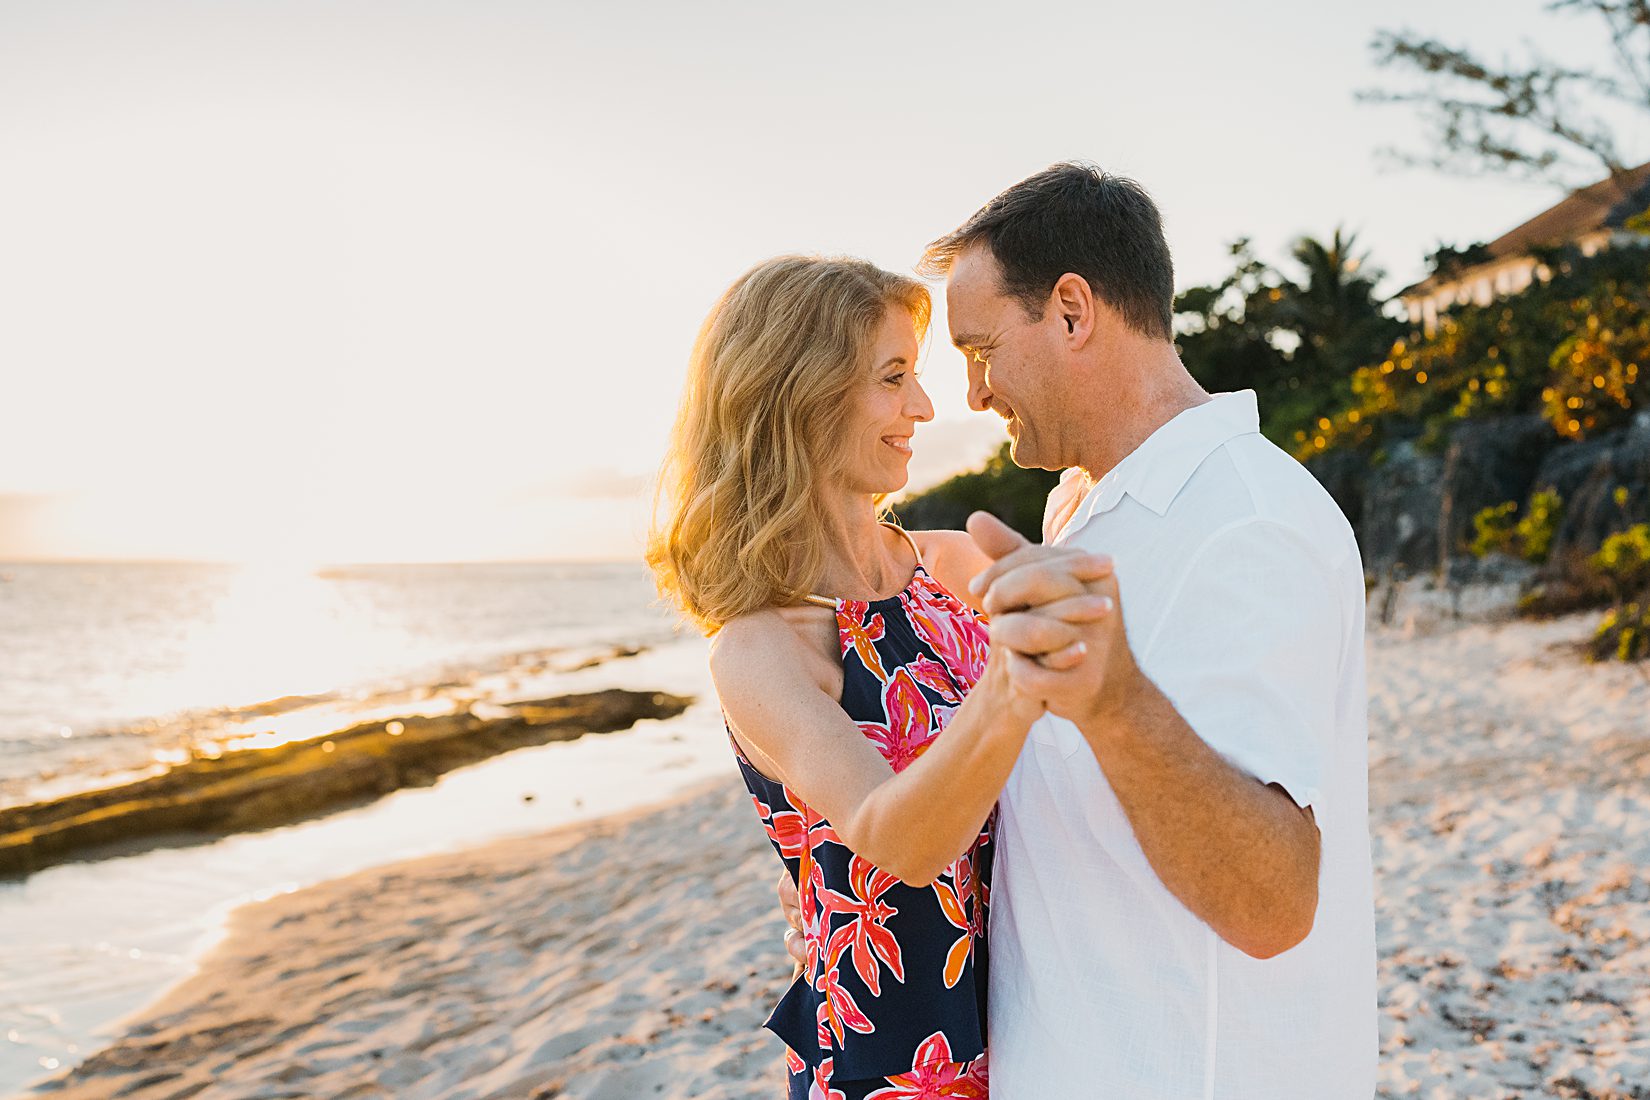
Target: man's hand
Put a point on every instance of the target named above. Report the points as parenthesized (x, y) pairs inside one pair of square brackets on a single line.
[(1057, 611), (791, 905)]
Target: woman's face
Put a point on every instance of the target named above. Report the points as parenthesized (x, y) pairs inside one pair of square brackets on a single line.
[(885, 406)]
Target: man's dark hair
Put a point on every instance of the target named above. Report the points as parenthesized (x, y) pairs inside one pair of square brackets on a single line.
[(1073, 217)]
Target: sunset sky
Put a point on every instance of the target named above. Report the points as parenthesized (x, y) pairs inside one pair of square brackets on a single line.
[(377, 281)]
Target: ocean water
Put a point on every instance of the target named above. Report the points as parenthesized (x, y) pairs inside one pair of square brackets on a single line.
[(133, 661), (108, 669)]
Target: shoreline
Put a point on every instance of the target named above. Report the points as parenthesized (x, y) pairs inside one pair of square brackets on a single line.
[(315, 993), (637, 955), (84, 943)]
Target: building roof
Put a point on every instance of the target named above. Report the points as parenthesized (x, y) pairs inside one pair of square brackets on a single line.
[(1606, 204)]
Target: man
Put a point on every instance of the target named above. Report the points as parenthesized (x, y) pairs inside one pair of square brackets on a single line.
[(1182, 903)]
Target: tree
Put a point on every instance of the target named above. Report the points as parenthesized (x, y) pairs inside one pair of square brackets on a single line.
[(1538, 119), (1296, 342), (1335, 311)]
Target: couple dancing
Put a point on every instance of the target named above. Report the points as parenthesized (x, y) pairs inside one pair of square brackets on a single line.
[(1145, 798)]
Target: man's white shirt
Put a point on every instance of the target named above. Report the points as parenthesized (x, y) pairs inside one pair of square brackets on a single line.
[(1243, 601)]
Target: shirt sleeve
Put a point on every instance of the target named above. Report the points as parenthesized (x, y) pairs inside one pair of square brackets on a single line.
[(1249, 650)]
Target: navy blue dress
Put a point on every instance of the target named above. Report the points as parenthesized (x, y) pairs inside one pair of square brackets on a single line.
[(891, 1003)]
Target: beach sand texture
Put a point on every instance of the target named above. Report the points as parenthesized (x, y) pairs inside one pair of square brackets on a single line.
[(1510, 793)]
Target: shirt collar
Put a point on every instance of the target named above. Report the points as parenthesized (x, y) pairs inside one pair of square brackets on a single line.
[(1155, 472)]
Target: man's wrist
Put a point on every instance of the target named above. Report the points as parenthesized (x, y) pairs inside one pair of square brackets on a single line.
[(1114, 706)]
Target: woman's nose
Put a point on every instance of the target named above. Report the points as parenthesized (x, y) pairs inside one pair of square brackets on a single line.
[(920, 408)]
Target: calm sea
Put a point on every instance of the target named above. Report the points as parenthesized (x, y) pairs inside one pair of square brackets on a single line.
[(106, 668)]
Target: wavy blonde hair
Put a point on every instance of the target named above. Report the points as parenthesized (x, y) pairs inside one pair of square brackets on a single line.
[(756, 437)]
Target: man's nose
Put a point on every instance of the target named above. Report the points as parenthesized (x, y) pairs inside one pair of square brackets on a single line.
[(979, 394)]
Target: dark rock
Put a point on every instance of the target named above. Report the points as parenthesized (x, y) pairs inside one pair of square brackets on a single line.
[(256, 788), (1588, 476), (1488, 462), (1401, 502)]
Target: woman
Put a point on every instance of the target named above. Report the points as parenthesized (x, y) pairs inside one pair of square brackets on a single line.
[(795, 425)]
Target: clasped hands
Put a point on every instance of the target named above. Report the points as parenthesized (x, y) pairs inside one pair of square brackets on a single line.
[(1056, 626), (1057, 642)]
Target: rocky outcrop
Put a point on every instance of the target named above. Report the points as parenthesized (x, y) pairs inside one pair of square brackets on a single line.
[(257, 788), (1487, 462), (1401, 500), (1413, 510), (1589, 476)]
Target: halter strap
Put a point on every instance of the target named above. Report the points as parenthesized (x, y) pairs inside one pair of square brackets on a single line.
[(827, 601)]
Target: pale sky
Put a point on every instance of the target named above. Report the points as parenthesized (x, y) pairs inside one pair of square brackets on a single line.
[(374, 281)]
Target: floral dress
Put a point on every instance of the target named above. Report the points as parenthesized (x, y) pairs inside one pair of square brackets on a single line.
[(891, 1003)]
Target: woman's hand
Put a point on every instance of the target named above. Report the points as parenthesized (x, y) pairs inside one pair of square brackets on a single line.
[(791, 906)]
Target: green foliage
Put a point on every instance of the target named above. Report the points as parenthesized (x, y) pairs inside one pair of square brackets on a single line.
[(1601, 370), (1448, 260), (1492, 529), (1012, 494), (1571, 346), (1624, 560), (1499, 530), (1623, 634), (1294, 341)]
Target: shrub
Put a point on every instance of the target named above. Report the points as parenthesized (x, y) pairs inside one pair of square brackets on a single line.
[(1624, 561), (1530, 536), (1623, 634)]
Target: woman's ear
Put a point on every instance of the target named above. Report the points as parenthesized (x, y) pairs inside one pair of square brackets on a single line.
[(1073, 299)]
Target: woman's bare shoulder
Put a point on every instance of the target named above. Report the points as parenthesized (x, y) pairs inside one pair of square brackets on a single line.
[(952, 558), (755, 643)]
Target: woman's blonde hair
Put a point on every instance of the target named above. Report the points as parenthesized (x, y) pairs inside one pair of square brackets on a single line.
[(759, 432)]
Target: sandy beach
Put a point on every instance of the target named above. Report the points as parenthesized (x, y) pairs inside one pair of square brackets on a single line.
[(1510, 793)]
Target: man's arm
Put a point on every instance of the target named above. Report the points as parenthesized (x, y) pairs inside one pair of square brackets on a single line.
[(1210, 786), (1238, 853)]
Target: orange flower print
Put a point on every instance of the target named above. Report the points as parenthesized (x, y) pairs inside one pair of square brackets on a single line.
[(934, 1075), (858, 631), (909, 728), (821, 1088), (957, 956), (931, 674), (865, 936), (838, 1009)]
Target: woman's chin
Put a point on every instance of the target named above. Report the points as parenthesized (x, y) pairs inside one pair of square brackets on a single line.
[(890, 485)]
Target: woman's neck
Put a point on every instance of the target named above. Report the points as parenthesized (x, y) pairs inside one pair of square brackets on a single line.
[(863, 560)]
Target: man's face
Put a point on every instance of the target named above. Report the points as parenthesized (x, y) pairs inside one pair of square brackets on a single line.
[(1011, 359)]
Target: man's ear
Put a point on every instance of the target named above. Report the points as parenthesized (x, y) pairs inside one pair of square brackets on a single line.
[(1073, 302)]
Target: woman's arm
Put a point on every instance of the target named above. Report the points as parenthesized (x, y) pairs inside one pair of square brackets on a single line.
[(912, 824)]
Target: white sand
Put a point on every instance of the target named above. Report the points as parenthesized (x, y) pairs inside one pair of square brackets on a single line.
[(1511, 790)]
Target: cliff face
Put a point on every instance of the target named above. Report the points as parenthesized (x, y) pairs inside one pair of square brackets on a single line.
[(1413, 510)]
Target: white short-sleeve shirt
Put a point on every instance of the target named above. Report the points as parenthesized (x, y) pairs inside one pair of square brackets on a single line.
[(1243, 601)]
